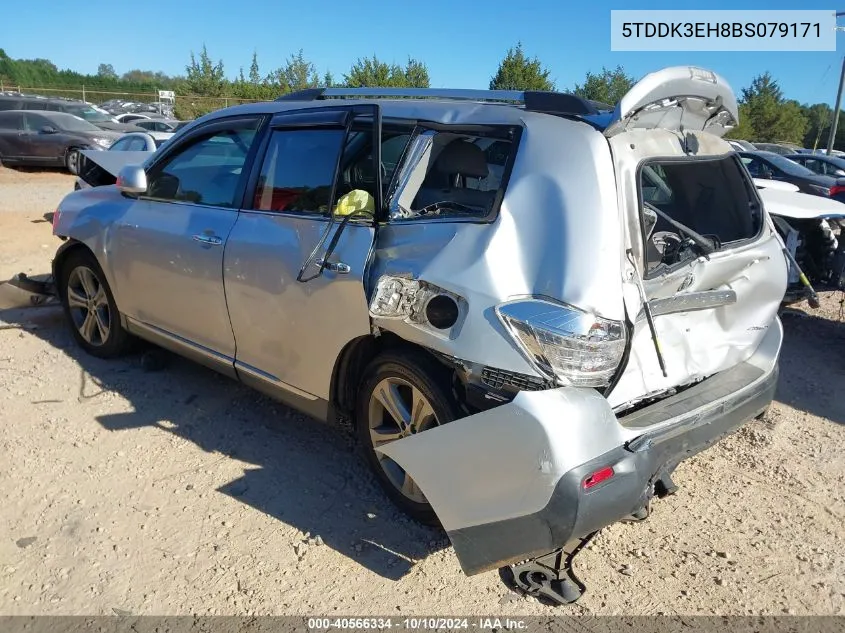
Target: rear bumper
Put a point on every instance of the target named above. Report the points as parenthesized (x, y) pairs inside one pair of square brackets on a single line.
[(639, 466), (508, 484)]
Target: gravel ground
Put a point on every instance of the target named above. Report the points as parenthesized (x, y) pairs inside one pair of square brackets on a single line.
[(179, 492)]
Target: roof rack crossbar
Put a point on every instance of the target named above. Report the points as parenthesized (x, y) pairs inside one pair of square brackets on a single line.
[(533, 100)]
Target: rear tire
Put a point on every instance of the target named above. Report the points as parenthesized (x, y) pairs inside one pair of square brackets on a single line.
[(89, 306), (402, 393)]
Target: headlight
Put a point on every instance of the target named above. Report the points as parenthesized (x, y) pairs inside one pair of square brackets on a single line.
[(565, 343), (818, 189), (103, 142)]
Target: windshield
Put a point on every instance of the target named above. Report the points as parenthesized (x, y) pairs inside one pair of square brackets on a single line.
[(790, 167), (72, 123), (89, 114)]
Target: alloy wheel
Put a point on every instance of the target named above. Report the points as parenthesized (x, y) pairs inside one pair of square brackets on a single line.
[(398, 409), (89, 305)]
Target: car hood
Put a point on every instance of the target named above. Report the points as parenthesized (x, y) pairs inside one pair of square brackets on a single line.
[(762, 183), (800, 206), (113, 162)]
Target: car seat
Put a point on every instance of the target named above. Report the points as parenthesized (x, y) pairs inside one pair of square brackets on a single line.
[(446, 181)]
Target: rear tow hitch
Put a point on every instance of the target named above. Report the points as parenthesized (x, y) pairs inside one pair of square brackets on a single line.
[(550, 577)]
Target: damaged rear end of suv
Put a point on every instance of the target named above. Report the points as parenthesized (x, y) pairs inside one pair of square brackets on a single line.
[(616, 315)]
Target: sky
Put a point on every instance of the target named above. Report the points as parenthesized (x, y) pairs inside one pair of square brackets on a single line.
[(461, 42)]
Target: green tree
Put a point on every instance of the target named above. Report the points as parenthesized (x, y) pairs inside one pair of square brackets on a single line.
[(254, 75), (416, 74), (518, 72), (818, 124), (297, 74), (205, 77), (607, 86), (770, 117), (372, 72), (106, 71), (328, 80)]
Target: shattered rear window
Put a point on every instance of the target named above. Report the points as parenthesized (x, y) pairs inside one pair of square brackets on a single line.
[(453, 173), (686, 200)]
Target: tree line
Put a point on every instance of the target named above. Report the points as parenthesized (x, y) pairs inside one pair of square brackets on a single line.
[(766, 115)]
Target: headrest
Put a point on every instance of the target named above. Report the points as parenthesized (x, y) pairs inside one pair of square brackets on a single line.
[(461, 157)]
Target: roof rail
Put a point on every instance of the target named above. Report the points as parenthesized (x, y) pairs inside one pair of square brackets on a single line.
[(533, 100)]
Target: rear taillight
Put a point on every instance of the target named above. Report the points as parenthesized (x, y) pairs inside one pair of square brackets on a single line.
[(836, 189), (569, 345), (56, 214)]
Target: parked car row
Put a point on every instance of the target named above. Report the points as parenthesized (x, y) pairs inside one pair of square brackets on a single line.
[(122, 106), (57, 139), (87, 111), (778, 148)]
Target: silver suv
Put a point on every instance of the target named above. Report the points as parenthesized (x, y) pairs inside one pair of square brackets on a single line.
[(529, 309)]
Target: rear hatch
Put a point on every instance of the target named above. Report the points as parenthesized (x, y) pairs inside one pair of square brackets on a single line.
[(701, 258)]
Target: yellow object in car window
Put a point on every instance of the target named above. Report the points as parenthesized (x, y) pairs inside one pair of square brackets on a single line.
[(355, 201)]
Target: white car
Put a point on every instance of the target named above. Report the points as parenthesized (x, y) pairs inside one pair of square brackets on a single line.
[(132, 117), (100, 168)]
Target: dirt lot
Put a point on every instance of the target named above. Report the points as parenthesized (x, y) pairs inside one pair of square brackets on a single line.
[(178, 491)]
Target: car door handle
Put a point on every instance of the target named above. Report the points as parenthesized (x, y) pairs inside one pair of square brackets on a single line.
[(335, 267), (209, 239)]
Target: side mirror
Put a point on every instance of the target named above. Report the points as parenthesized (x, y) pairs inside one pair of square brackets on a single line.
[(132, 179), (839, 172), (48, 129)]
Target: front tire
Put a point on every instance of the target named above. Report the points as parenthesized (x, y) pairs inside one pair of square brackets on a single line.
[(89, 307), (402, 394)]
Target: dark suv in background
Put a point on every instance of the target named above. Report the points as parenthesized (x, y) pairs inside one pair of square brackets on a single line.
[(48, 139), (83, 110)]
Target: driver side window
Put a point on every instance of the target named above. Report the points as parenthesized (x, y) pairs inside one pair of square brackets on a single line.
[(207, 171)]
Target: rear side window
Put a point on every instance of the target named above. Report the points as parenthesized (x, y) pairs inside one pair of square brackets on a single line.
[(711, 198), (299, 170), (453, 174)]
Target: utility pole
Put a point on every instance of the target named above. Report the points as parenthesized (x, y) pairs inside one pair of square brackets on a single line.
[(835, 122)]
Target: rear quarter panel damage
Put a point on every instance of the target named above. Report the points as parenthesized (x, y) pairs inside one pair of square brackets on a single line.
[(557, 234)]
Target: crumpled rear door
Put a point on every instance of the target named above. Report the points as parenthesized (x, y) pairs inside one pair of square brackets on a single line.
[(709, 315)]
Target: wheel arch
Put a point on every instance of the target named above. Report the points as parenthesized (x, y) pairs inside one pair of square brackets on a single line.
[(351, 364), (70, 246), (65, 250)]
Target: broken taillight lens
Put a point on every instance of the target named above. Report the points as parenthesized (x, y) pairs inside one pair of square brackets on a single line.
[(572, 346), (56, 214)]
